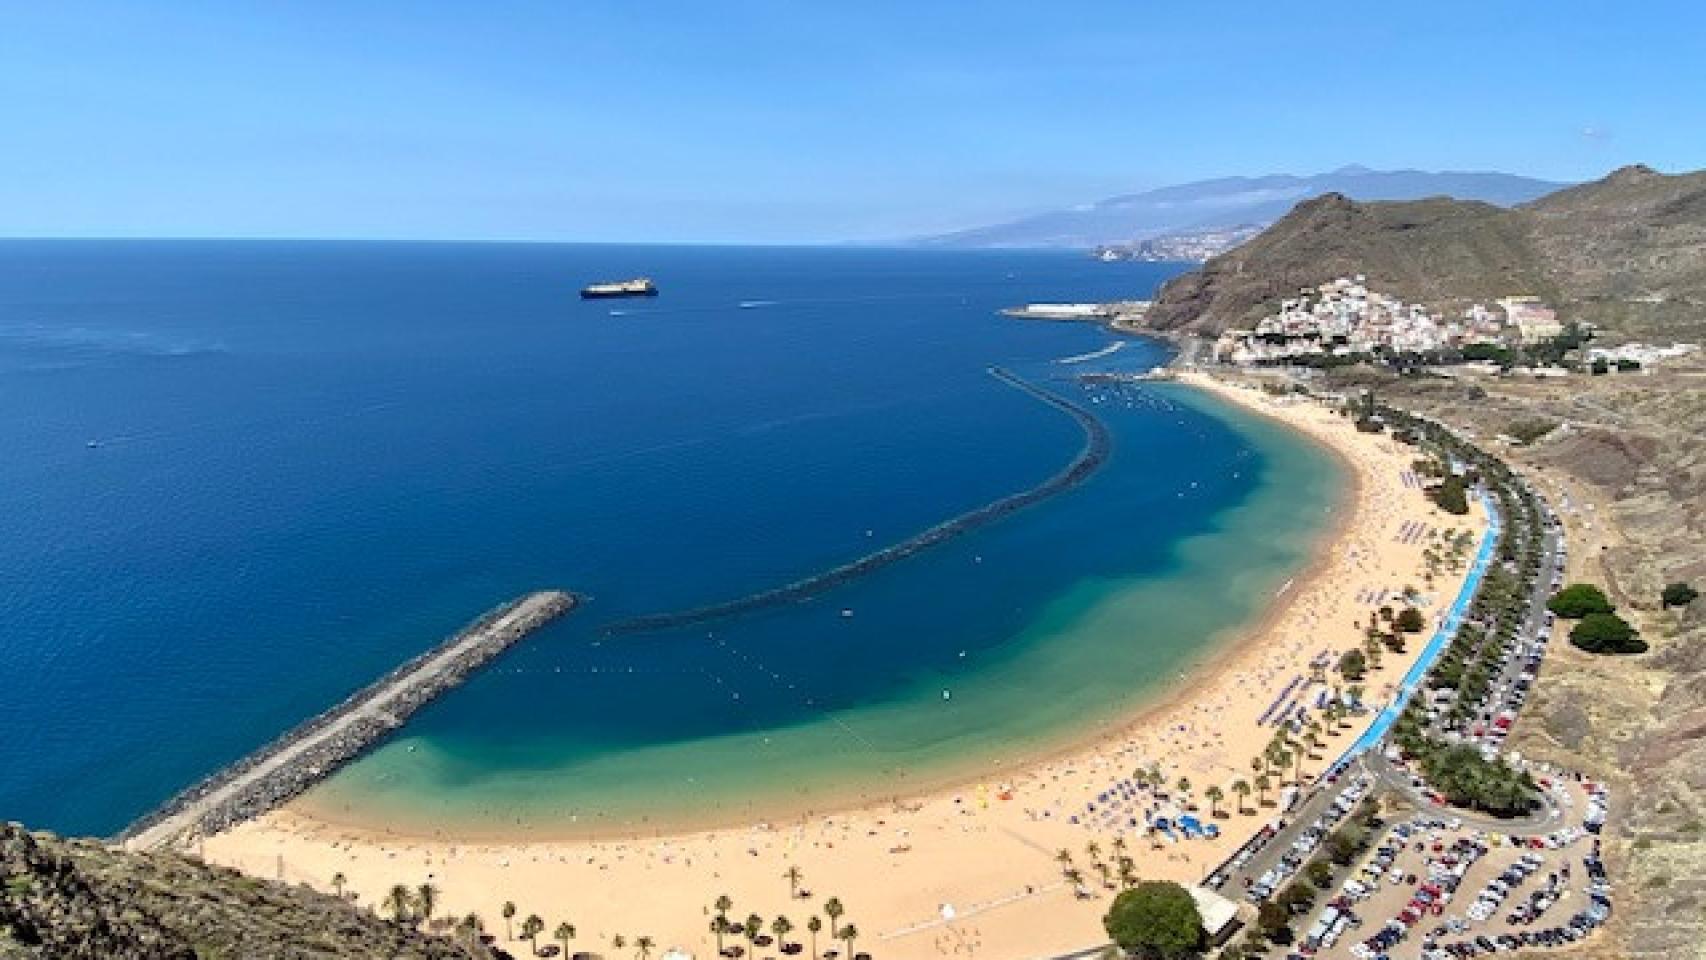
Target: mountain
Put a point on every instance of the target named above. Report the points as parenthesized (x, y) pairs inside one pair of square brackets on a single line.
[(1627, 251), (1230, 202), (81, 900)]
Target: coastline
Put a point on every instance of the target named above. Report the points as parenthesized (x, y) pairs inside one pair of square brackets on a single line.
[(973, 842)]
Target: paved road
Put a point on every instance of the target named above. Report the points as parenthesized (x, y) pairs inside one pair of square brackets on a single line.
[(1389, 780)]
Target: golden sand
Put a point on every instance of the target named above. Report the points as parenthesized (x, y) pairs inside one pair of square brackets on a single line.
[(959, 872)]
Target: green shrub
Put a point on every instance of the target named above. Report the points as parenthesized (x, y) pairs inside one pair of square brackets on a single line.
[(1678, 594), (1606, 633), (1578, 600)]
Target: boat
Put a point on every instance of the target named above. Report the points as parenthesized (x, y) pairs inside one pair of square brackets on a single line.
[(637, 287)]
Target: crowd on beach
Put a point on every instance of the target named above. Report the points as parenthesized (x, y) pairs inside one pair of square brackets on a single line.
[(989, 851)]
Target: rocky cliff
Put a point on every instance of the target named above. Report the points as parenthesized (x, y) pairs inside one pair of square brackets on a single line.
[(80, 900)]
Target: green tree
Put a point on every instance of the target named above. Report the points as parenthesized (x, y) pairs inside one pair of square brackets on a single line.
[(1274, 921), (1155, 921), (720, 926), (338, 881), (833, 909), (530, 930), (1606, 633), (509, 919), (1409, 620), (1214, 795), (752, 928), (1451, 496), (1353, 665), (426, 901), (814, 926), (849, 934), (1241, 788), (1678, 594), (1578, 600), (398, 902), (643, 946), (564, 933), (781, 927)]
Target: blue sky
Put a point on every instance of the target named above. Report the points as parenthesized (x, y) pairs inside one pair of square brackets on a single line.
[(801, 121)]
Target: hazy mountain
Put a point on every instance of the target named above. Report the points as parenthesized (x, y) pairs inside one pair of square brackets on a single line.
[(1628, 251), (1232, 201)]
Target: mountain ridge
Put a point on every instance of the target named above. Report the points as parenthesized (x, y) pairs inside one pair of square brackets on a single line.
[(1225, 202), (1627, 251)]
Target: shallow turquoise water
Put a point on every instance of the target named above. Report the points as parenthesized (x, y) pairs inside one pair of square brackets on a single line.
[(312, 460)]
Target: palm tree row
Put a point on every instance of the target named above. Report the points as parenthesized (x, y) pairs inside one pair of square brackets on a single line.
[(753, 927)]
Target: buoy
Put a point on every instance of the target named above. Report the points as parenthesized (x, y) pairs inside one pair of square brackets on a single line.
[(946, 695), (846, 612)]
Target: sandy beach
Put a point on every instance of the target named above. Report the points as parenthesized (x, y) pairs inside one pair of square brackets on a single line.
[(974, 870)]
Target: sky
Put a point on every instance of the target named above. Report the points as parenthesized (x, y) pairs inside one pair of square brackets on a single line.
[(789, 121)]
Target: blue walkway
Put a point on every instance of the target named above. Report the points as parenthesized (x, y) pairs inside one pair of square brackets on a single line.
[(1447, 629)]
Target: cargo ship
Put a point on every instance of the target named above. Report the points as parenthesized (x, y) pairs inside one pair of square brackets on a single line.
[(638, 287)]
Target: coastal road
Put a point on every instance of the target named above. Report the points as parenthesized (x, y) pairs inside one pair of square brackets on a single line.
[(1389, 780), (383, 705)]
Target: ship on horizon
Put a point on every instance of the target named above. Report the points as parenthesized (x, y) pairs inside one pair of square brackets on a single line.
[(637, 287)]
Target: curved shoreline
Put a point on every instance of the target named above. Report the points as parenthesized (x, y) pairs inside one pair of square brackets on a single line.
[(1097, 446), (1220, 651)]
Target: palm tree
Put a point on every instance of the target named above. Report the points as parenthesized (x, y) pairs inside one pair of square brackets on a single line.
[(1185, 791), (1128, 872), (753, 927), (1242, 789), (1074, 876), (850, 933), (1063, 857), (531, 928), (398, 902), (720, 926), (426, 901), (1119, 843), (564, 933), (1262, 785), (618, 942), (833, 909), (643, 946), (470, 927), (1214, 795), (814, 923), (338, 881), (780, 927), (509, 919), (1093, 850), (793, 875)]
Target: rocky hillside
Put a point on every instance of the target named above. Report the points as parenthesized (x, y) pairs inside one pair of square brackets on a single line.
[(79, 900), (1628, 251)]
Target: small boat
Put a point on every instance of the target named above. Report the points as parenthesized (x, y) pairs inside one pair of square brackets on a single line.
[(637, 287)]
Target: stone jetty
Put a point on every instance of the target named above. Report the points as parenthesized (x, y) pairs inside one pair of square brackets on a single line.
[(314, 750), (1094, 453)]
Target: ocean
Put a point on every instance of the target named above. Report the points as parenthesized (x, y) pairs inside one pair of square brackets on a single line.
[(240, 479)]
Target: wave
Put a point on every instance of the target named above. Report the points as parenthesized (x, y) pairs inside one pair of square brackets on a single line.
[(1095, 354), (1097, 445)]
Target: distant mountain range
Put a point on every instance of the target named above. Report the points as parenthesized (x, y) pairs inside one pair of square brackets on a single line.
[(1230, 202), (1627, 252)]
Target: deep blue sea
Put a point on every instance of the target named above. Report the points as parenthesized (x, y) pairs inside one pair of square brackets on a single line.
[(240, 479)]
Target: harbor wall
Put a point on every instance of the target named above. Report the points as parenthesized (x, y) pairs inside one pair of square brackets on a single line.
[(317, 748)]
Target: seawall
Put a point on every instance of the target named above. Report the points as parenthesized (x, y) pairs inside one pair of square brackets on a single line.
[(1094, 453), (316, 749)]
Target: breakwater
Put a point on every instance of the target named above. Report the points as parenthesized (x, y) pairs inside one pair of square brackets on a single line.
[(1094, 453), (315, 749)]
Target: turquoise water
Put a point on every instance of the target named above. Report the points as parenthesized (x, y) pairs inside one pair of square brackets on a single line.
[(312, 460)]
